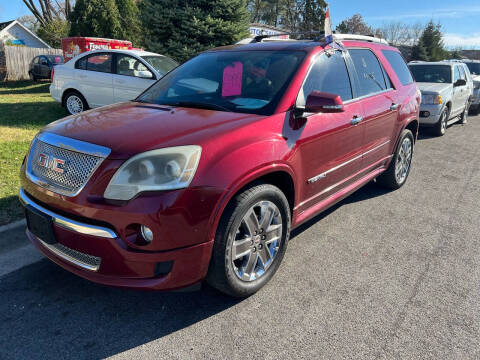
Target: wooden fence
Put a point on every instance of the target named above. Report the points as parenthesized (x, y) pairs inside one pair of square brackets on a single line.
[(16, 60)]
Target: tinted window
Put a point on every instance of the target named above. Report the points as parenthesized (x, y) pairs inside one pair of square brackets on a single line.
[(55, 59), (432, 73), (474, 68), (369, 71), (130, 66), (398, 65), (100, 63), (328, 74), (81, 63), (235, 81)]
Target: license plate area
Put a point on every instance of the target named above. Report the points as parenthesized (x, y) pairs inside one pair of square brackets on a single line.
[(40, 225)]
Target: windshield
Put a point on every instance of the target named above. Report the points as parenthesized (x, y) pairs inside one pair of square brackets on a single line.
[(236, 81), (162, 64), (474, 68), (432, 73), (55, 59)]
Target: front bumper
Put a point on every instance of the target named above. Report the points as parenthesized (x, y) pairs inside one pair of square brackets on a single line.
[(433, 112), (99, 254)]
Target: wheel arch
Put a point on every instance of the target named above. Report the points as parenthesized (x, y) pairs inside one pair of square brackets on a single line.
[(279, 175), (71, 89)]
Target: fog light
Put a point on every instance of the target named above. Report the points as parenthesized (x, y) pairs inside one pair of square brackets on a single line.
[(147, 233), (424, 113)]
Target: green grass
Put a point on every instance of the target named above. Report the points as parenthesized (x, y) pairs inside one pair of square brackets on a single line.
[(25, 107)]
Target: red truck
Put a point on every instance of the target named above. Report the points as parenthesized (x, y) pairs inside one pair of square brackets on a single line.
[(72, 46)]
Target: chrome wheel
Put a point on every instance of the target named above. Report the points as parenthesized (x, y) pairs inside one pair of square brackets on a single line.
[(257, 241), (443, 123), (74, 104), (403, 160)]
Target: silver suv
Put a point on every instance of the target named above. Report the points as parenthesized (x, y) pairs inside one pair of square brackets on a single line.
[(474, 67), (446, 93)]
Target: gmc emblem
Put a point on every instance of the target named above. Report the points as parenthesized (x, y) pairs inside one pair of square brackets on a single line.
[(51, 162)]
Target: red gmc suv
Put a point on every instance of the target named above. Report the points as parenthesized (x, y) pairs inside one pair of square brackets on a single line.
[(203, 176)]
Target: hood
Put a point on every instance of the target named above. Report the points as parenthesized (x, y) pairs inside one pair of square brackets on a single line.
[(476, 78), (435, 88), (131, 128)]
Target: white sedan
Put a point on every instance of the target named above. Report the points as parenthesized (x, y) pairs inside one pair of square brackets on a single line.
[(103, 77)]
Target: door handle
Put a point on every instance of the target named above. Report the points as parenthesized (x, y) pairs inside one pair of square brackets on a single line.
[(356, 120), (394, 107)]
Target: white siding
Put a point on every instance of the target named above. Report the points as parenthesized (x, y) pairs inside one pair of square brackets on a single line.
[(16, 32)]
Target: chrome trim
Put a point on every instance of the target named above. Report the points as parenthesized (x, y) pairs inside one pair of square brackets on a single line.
[(66, 143), (66, 223), (74, 145), (324, 174), (68, 258), (356, 120)]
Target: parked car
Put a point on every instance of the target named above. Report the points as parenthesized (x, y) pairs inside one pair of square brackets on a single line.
[(104, 77), (446, 93), (474, 67), (204, 175), (41, 66)]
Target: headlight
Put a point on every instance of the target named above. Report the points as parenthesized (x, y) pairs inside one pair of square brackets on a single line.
[(431, 99), (162, 169)]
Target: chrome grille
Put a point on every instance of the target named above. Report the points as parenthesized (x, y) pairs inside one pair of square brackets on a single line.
[(77, 169), (78, 258)]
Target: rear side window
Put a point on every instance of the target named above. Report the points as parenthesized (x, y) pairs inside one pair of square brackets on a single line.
[(398, 65), (369, 71), (100, 63), (328, 74)]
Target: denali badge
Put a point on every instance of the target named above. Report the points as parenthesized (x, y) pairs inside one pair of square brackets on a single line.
[(50, 162)]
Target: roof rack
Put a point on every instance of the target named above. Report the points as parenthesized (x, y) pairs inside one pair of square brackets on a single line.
[(320, 36)]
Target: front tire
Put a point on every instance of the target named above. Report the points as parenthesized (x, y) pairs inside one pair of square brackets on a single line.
[(397, 173), (75, 103), (441, 126), (32, 76), (250, 242)]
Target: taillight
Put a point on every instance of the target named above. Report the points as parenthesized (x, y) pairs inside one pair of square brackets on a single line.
[(52, 73)]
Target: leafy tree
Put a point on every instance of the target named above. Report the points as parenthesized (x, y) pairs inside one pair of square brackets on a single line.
[(355, 25), (182, 29), (130, 21), (96, 18), (312, 15), (431, 39), (54, 32)]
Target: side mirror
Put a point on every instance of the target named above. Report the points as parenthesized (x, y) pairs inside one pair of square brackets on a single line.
[(324, 102), (145, 74), (460, 82)]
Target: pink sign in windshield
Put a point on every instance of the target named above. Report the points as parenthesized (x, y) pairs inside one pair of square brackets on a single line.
[(232, 79)]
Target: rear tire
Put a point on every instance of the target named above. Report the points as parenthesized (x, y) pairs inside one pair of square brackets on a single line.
[(474, 110), (74, 103), (441, 126), (250, 242), (464, 115), (397, 173)]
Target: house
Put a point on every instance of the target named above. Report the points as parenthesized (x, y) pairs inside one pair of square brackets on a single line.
[(14, 33)]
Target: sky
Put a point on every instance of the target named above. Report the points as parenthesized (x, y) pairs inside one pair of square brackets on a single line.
[(460, 19)]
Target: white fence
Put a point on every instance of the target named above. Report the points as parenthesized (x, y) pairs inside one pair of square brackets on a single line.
[(17, 61)]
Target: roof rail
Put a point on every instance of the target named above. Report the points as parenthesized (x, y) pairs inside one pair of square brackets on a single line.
[(359, 38), (318, 36)]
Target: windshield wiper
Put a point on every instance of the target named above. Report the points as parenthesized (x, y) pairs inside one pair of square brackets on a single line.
[(199, 105)]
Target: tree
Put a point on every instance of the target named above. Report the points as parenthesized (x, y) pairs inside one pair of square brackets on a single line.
[(419, 52), (129, 21), (355, 25), (30, 22), (197, 25), (51, 19), (96, 18), (431, 39), (312, 15)]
